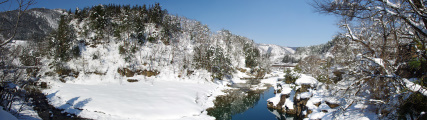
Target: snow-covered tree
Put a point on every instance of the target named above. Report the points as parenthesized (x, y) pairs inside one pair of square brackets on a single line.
[(62, 40), (14, 76), (376, 32)]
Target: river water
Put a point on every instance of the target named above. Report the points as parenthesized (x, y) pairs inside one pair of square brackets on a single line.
[(245, 105)]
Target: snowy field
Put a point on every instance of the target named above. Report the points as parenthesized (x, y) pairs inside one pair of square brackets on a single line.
[(149, 99), (141, 100), (5, 115)]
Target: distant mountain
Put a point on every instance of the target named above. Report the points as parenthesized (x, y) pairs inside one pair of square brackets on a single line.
[(279, 54), (275, 52), (321, 50), (34, 23)]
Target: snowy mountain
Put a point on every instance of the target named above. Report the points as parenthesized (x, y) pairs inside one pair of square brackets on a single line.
[(34, 24), (320, 50), (275, 52)]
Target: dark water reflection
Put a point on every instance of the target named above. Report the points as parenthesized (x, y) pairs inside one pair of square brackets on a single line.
[(244, 104)]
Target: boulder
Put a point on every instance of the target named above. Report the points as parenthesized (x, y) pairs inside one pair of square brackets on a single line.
[(289, 81), (305, 87), (300, 106), (317, 104), (282, 101), (148, 73), (43, 85), (270, 105), (291, 112), (332, 105), (125, 72), (132, 80)]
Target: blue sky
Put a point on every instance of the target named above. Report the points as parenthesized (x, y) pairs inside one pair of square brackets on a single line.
[(283, 22)]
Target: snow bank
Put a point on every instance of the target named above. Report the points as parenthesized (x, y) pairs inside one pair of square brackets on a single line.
[(320, 110), (304, 95), (287, 90), (142, 100), (6, 115), (414, 87), (275, 99), (27, 112), (306, 80)]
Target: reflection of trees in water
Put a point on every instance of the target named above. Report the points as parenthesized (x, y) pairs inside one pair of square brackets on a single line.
[(280, 116), (234, 102)]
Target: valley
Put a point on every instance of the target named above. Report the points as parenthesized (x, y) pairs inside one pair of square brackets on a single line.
[(111, 61)]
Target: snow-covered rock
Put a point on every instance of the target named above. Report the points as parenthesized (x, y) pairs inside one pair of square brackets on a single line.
[(306, 80)]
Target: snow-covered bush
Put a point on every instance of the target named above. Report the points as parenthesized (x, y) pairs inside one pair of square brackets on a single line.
[(290, 77)]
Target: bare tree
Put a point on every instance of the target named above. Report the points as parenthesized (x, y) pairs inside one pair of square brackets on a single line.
[(12, 73), (408, 15)]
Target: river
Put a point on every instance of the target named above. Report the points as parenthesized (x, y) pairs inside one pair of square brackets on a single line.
[(243, 104)]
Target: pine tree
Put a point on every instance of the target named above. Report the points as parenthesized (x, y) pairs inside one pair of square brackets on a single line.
[(62, 40), (98, 20), (251, 55), (139, 27)]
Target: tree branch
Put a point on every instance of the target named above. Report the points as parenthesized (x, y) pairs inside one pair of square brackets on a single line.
[(353, 38)]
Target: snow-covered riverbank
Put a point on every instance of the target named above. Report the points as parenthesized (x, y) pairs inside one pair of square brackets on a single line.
[(310, 99), (150, 98), (140, 100)]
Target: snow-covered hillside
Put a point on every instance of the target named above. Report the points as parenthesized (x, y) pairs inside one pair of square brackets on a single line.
[(143, 68), (321, 50), (35, 23), (275, 52)]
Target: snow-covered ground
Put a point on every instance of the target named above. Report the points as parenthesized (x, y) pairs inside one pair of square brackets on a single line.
[(5, 115), (354, 110), (110, 96), (159, 99)]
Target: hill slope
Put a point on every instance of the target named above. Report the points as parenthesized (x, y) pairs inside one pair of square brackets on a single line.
[(275, 52), (34, 24)]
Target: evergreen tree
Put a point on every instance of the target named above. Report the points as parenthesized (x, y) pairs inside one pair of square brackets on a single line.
[(98, 20), (221, 64), (251, 55), (139, 27), (156, 14), (62, 40)]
